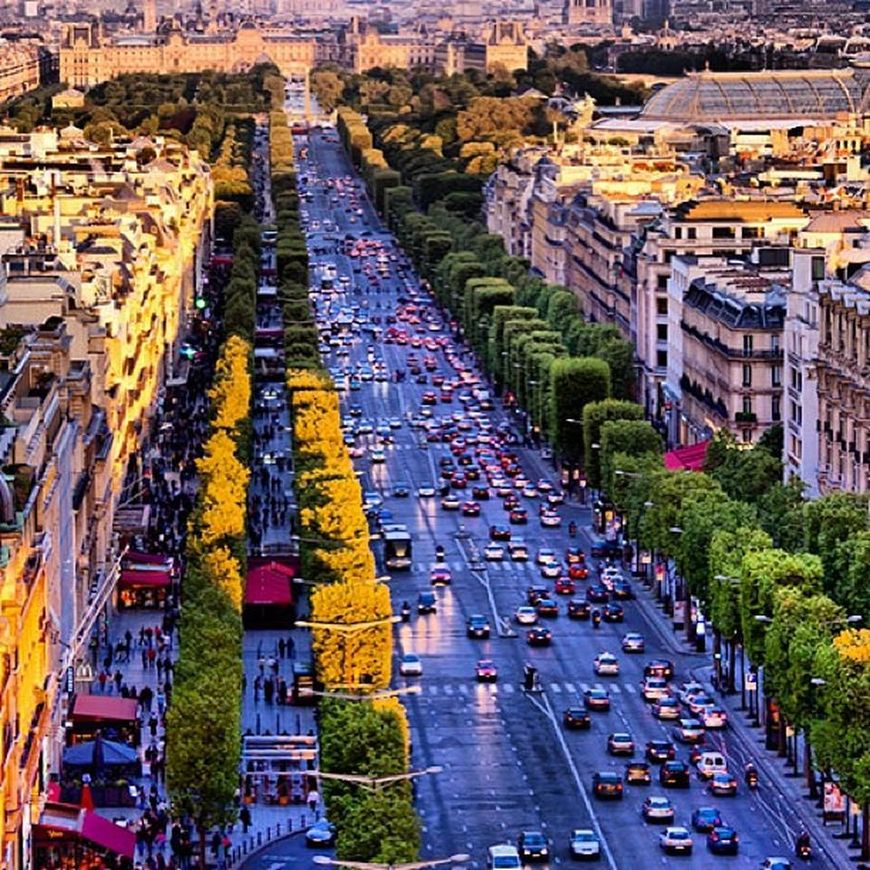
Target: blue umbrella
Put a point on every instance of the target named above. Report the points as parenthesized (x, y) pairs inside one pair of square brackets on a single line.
[(100, 753)]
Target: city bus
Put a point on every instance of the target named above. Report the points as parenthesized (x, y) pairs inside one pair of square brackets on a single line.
[(397, 548)]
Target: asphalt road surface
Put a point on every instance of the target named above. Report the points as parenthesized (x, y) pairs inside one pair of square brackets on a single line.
[(508, 764)]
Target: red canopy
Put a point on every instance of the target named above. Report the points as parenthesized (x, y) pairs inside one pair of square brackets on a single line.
[(133, 556), (689, 458), (59, 819), (103, 708), (269, 583), (157, 579)]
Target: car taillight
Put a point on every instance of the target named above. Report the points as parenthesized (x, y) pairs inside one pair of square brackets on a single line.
[(714, 836)]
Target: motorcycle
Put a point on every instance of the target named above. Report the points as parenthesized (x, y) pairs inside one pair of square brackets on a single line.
[(406, 612), (802, 847), (439, 553), (596, 618), (572, 530), (751, 777)]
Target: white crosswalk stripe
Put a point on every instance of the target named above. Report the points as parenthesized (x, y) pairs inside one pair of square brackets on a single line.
[(556, 688), (615, 689), (463, 689), (507, 688), (448, 689), (584, 687), (630, 688), (432, 689), (569, 687)]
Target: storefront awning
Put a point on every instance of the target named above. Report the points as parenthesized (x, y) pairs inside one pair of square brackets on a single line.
[(691, 458), (270, 584), (103, 708), (153, 579), (65, 821)]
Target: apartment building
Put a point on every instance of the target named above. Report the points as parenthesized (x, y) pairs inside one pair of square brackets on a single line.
[(727, 372), (19, 68), (843, 372), (100, 260)]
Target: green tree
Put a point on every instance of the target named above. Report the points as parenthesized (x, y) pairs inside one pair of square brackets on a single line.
[(327, 87), (574, 382), (595, 414), (626, 438)]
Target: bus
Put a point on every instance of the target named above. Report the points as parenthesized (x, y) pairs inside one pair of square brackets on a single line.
[(397, 548)]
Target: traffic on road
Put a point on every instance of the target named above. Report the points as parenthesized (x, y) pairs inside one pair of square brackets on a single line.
[(566, 726)]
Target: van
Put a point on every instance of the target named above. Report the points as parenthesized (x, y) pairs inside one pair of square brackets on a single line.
[(711, 763), (503, 857)]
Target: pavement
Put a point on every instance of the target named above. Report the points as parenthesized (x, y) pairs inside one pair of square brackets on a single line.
[(506, 762)]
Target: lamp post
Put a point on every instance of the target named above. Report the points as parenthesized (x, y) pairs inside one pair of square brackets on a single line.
[(763, 619), (816, 683), (376, 783), (324, 860)]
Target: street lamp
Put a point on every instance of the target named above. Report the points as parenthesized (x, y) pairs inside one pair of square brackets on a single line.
[(412, 865), (375, 783), (815, 684)]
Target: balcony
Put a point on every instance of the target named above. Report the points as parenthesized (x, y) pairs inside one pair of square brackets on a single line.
[(745, 418)]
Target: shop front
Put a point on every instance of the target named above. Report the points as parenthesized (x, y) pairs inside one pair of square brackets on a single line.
[(69, 837), (269, 593), (145, 581)]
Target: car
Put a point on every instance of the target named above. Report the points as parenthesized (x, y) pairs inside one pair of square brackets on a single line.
[(613, 612), (550, 519), (620, 743), (674, 774), (722, 785), (481, 493), (689, 731), (401, 490), (485, 671), (575, 718), (579, 609), (320, 835), (776, 863), (713, 717), (564, 586), (551, 570), (657, 808), (597, 594), (578, 571), (574, 556), (518, 550), (545, 555), (499, 533), (622, 590), (597, 698), (427, 602), (698, 703), (584, 844), (710, 763), (493, 552), (653, 688), (659, 668), (723, 840), (607, 784), (667, 708), (530, 491), (503, 857), (470, 509), (533, 846), (450, 503), (676, 840), (633, 642), (539, 636), (536, 592), (638, 773), (410, 665), (440, 575), (547, 608), (606, 665), (477, 626), (526, 615), (660, 750), (687, 689), (704, 819), (518, 517)]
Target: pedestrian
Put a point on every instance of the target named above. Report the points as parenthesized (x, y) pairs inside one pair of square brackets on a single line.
[(152, 656), (268, 690), (282, 647), (101, 679), (119, 679), (145, 658), (261, 664), (245, 818), (161, 702), (258, 682), (282, 691), (159, 664), (216, 840), (313, 800), (291, 648)]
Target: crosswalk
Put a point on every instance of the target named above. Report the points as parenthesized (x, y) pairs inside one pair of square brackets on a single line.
[(567, 691), (457, 566)]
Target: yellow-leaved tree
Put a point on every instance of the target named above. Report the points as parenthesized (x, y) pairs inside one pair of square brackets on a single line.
[(231, 390), (225, 572)]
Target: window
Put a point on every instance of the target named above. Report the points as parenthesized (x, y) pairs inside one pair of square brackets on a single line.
[(776, 409), (747, 436), (797, 379), (662, 359), (776, 376), (751, 232), (662, 331), (747, 404), (663, 282), (818, 268), (723, 232), (747, 375), (661, 305), (691, 233), (747, 345), (796, 412), (678, 232), (774, 343)]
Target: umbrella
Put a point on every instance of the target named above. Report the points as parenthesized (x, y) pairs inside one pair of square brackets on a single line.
[(100, 753)]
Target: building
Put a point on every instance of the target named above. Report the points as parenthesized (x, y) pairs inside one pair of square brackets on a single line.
[(19, 68), (843, 372), (579, 12), (727, 317)]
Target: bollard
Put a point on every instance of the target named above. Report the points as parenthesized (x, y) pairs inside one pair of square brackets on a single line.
[(278, 832), (258, 723), (259, 838), (303, 820), (289, 826), (298, 724)]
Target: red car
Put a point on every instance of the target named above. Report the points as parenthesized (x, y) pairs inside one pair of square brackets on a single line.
[(486, 671), (470, 509), (565, 586), (578, 571)]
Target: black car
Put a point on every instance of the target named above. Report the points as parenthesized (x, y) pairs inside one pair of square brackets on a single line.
[(579, 609), (401, 490), (320, 835), (477, 626), (606, 784), (576, 718), (659, 668), (539, 636), (519, 516), (622, 590), (613, 612), (481, 493), (723, 840), (427, 602), (674, 774), (597, 594), (499, 533), (537, 592), (533, 846), (660, 750)]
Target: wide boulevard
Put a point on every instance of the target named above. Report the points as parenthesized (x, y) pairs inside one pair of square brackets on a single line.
[(508, 764)]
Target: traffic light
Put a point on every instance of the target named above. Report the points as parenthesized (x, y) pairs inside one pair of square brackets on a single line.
[(200, 303)]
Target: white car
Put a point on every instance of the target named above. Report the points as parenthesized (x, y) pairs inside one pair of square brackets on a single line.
[(633, 642), (411, 665), (493, 552), (530, 491), (503, 857), (606, 665), (585, 844), (658, 808), (526, 615), (551, 570), (713, 718), (426, 491), (550, 519), (653, 688), (545, 555), (676, 840)]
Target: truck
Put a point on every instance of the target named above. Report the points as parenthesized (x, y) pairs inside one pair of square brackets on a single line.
[(397, 547)]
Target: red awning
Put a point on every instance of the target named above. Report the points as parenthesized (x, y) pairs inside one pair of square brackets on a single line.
[(689, 458), (65, 819), (270, 584), (103, 708), (146, 577), (134, 556)]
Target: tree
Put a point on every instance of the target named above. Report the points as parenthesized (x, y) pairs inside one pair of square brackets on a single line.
[(327, 87), (626, 438), (574, 382), (595, 414)]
